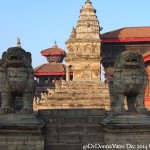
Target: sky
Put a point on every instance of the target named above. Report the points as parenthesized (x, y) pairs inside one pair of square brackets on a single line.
[(38, 23)]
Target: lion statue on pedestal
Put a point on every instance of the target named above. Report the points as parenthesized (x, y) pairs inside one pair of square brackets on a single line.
[(128, 80), (16, 79)]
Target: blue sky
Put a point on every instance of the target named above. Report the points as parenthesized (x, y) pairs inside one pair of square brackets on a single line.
[(39, 23)]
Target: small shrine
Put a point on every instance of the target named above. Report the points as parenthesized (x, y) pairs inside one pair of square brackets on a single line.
[(54, 70)]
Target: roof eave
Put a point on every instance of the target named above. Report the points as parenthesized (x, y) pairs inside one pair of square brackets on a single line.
[(124, 40)]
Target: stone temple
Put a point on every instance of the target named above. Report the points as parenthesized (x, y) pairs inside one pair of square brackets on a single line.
[(83, 46), (85, 90)]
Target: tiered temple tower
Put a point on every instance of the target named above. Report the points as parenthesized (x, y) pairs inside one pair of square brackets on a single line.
[(83, 46), (53, 70)]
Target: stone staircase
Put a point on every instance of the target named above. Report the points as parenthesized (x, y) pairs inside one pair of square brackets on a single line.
[(72, 129), (73, 94)]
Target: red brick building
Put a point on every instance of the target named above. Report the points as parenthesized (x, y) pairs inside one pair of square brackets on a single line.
[(129, 38)]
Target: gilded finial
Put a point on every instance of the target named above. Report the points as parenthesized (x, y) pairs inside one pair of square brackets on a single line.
[(73, 29), (55, 44), (88, 1), (73, 33), (18, 42)]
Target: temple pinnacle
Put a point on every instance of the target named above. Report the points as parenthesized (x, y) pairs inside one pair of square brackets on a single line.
[(18, 42), (55, 44), (88, 1), (73, 29), (73, 33)]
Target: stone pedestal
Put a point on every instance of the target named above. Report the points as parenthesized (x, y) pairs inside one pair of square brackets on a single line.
[(21, 132), (127, 132)]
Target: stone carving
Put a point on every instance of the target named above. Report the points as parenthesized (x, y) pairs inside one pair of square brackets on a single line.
[(77, 48), (95, 49), (17, 79), (70, 49), (128, 80), (87, 49), (87, 72)]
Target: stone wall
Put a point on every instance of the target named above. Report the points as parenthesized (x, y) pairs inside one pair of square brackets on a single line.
[(21, 132), (72, 128), (21, 142)]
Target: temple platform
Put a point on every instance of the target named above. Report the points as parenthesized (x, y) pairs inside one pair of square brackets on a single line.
[(129, 131), (21, 132), (77, 94)]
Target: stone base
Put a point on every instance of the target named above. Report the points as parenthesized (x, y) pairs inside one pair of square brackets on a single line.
[(21, 132), (76, 94), (127, 132)]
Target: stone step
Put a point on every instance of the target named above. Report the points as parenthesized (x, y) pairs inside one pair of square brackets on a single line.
[(74, 133), (68, 101), (79, 138), (72, 129), (64, 146), (78, 128), (74, 104), (74, 137), (91, 87), (83, 119), (87, 86), (63, 116), (77, 97), (73, 119), (77, 146), (71, 112), (81, 90)]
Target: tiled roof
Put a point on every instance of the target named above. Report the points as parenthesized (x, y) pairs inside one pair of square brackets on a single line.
[(51, 68), (53, 51), (128, 32)]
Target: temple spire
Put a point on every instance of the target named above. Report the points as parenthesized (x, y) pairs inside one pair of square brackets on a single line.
[(55, 44), (88, 1), (18, 42), (73, 33), (73, 29), (87, 24)]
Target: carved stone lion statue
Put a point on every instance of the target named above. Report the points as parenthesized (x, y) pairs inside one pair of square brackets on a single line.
[(16, 78), (128, 80)]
